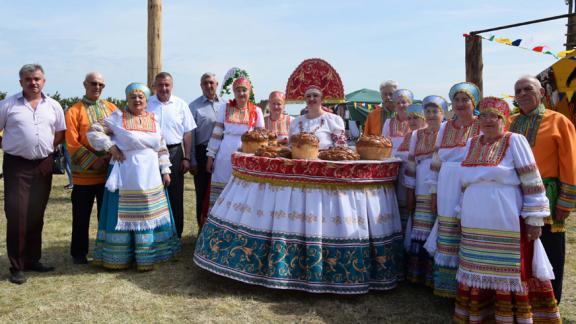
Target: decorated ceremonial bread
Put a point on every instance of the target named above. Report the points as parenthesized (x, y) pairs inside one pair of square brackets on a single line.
[(272, 138), (374, 147), (305, 146), (339, 154), (253, 140), (274, 152)]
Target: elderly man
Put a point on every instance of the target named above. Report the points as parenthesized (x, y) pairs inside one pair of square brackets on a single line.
[(376, 118), (89, 166), (176, 123), (204, 110), (553, 141), (33, 124)]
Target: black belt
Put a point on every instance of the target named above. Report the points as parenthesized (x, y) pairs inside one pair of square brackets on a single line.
[(171, 146)]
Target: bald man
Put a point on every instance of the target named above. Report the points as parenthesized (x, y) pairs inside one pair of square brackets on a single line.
[(553, 140), (89, 167)]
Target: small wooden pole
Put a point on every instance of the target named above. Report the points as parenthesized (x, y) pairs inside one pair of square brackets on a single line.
[(154, 40), (571, 30), (474, 63)]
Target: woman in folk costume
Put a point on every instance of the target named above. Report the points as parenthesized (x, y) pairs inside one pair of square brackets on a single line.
[(418, 194), (444, 185), (239, 116), (396, 128), (504, 273), (278, 121), (328, 127), (135, 224), (416, 121)]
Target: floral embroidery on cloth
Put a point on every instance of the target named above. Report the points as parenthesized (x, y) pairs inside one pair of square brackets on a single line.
[(425, 141), (144, 122), (488, 154), (528, 125), (457, 136), (281, 126), (398, 128)]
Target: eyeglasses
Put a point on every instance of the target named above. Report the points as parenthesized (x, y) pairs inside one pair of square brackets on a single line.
[(96, 84)]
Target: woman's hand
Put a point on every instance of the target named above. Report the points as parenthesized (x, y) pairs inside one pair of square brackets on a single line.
[(166, 179), (533, 232), (410, 200), (117, 155), (210, 164)]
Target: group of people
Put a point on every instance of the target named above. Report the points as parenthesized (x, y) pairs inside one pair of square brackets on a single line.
[(483, 197), (482, 193)]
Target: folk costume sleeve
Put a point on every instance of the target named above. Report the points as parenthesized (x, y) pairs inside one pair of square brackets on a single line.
[(80, 154), (164, 158), (218, 133), (410, 172), (99, 137), (567, 165), (535, 205)]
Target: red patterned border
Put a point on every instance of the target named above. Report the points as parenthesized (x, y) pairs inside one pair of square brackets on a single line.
[(316, 171)]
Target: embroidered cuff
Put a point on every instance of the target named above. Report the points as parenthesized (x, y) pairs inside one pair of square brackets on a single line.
[(84, 158), (566, 197)]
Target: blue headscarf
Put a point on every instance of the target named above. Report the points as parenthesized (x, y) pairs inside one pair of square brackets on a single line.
[(436, 101), (135, 86), (470, 89), (416, 109), (403, 93)]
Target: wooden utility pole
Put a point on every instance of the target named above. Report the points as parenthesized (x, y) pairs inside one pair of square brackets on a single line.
[(474, 63), (154, 39), (571, 30)]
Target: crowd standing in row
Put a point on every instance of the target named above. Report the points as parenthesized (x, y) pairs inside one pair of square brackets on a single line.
[(475, 191)]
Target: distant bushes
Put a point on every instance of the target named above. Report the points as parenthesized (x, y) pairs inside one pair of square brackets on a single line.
[(67, 102)]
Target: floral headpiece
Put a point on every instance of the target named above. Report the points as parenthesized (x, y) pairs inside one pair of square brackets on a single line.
[(495, 105), (313, 89), (277, 94), (233, 74)]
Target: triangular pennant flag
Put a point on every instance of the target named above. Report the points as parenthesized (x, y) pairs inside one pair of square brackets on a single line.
[(491, 37), (466, 35), (503, 41), (516, 42), (538, 49)]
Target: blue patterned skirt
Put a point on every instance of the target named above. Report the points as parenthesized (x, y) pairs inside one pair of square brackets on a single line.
[(121, 249)]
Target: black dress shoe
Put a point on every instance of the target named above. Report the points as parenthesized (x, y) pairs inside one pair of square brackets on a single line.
[(39, 267), (80, 260), (17, 277)]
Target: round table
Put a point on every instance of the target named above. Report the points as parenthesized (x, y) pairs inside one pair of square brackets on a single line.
[(313, 225)]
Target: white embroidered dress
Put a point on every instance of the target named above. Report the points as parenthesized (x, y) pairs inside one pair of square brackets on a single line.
[(500, 184), (227, 139), (142, 203), (329, 128)]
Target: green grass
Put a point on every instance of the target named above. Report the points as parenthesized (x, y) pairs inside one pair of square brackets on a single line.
[(180, 291)]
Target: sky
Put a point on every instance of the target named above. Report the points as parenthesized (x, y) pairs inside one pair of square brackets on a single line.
[(419, 44)]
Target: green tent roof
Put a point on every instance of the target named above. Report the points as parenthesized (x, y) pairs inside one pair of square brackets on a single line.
[(364, 95)]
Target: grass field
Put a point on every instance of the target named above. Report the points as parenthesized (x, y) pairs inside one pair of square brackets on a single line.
[(179, 291)]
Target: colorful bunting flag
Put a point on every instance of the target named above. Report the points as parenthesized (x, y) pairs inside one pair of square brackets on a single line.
[(517, 42)]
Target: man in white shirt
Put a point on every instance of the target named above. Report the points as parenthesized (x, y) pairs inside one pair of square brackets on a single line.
[(176, 123), (33, 125)]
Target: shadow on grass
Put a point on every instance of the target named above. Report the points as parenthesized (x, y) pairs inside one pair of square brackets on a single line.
[(184, 278)]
